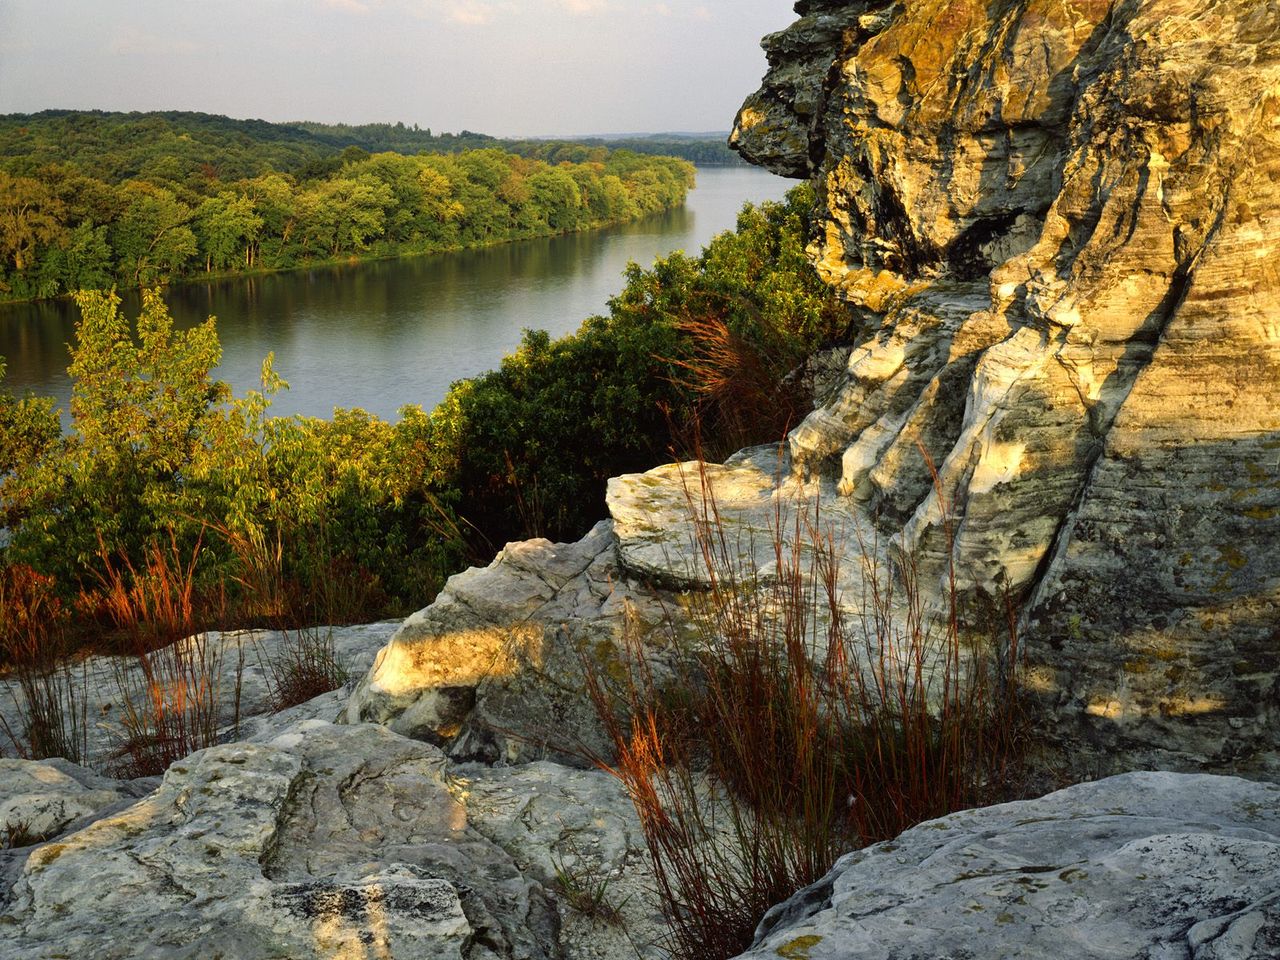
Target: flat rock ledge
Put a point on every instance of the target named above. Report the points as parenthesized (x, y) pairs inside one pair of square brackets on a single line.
[(237, 660), (326, 841), (1150, 865)]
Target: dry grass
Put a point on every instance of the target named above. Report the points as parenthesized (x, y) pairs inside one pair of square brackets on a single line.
[(306, 664), (794, 731), (747, 391), (34, 643), (175, 687), (153, 606), (305, 667), (291, 578), (174, 703)]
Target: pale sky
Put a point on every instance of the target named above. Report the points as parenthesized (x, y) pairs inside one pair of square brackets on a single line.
[(503, 67)]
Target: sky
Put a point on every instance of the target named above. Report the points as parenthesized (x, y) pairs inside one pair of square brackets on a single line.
[(502, 67)]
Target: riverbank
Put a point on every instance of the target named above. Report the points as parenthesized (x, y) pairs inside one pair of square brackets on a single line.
[(379, 334), (75, 231), (377, 254)]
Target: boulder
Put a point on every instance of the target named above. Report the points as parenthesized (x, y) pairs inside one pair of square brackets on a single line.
[(1139, 865), (493, 669), (329, 841)]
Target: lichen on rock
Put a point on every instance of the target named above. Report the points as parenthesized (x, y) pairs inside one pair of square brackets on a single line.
[(1060, 223)]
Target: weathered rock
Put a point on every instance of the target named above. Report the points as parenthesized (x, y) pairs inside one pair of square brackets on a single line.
[(493, 669), (1061, 223), (332, 841), (41, 799), (1140, 865)]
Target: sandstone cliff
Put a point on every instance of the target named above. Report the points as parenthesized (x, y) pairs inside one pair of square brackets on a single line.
[(1062, 223)]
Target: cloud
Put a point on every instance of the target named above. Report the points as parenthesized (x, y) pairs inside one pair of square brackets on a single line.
[(580, 7), (471, 13), (351, 6), (130, 41)]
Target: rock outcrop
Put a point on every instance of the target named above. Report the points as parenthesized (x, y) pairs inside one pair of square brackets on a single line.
[(1061, 223), (493, 670), (1139, 865), (329, 841)]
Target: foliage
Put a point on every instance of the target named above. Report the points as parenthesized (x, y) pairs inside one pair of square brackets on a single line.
[(195, 148), (171, 505), (527, 448), (88, 198), (118, 510)]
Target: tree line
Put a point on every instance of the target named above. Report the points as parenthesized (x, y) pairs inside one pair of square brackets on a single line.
[(131, 210), (187, 147)]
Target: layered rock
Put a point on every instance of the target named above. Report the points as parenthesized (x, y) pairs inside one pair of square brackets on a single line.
[(339, 841), (1140, 865), (1061, 223)]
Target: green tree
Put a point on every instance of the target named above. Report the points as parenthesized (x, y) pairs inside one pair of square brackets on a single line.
[(152, 239), (228, 228), (139, 414), (344, 214), (30, 215)]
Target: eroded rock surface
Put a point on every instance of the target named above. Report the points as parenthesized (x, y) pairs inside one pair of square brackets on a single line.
[(493, 669), (1139, 865), (1062, 223), (338, 841)]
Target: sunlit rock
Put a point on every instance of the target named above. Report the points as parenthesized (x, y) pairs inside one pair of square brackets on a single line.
[(336, 841), (1140, 865), (1060, 223), (493, 669)]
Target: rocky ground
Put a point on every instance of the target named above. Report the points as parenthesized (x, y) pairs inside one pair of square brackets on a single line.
[(1139, 865)]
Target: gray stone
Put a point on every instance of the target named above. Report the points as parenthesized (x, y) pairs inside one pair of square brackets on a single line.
[(335, 841), (1141, 865), (1060, 223), (237, 660), (493, 669)]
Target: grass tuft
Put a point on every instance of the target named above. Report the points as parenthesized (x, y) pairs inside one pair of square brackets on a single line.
[(34, 642), (793, 729)]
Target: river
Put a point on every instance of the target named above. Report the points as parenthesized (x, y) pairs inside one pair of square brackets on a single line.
[(384, 334)]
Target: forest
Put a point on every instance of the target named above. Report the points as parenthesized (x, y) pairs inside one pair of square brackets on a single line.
[(90, 200)]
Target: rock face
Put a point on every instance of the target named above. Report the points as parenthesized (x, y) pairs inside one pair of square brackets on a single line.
[(334, 841), (493, 669), (1062, 223), (1140, 865)]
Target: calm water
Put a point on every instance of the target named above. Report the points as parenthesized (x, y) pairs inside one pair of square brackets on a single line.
[(381, 335)]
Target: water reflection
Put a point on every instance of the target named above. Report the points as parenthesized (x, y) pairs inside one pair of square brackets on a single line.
[(380, 335)]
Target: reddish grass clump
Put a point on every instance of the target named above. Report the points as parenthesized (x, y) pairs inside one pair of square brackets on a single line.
[(34, 644), (793, 731)]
